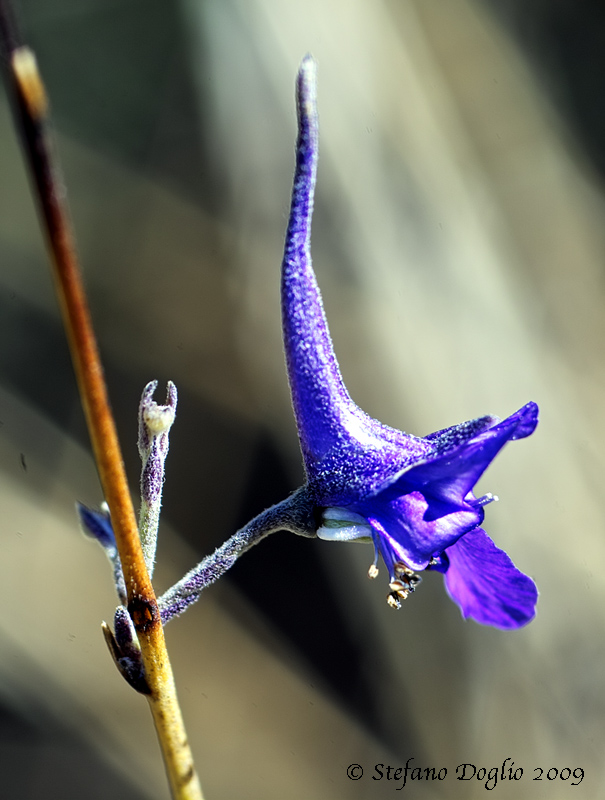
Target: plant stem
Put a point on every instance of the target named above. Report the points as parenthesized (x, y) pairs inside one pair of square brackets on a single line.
[(31, 112), (294, 514)]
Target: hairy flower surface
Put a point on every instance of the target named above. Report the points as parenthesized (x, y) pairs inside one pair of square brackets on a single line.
[(412, 496)]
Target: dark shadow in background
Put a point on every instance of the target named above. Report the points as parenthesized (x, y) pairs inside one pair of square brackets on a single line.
[(565, 43), (119, 81), (43, 759)]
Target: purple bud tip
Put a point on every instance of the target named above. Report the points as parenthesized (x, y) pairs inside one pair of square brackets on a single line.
[(97, 524)]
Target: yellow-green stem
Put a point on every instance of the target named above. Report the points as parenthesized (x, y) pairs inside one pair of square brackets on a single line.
[(31, 108)]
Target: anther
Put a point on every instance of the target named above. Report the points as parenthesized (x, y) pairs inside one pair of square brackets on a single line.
[(373, 571), (394, 600), (399, 591), (405, 577), (402, 569)]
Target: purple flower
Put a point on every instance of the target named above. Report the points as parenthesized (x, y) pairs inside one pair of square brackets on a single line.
[(411, 496)]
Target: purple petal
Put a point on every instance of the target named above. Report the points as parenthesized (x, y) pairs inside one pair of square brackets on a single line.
[(412, 528), (448, 439), (486, 585), (450, 477), (98, 525)]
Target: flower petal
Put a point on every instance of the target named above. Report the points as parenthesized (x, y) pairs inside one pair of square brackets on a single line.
[(450, 477), (486, 585), (448, 439), (97, 525), (415, 527)]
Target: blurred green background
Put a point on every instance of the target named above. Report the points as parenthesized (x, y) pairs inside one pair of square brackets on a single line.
[(459, 244)]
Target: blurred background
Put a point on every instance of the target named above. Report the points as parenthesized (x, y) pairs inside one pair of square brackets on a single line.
[(460, 247)]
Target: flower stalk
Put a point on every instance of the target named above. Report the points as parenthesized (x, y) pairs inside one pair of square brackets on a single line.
[(295, 514), (30, 106)]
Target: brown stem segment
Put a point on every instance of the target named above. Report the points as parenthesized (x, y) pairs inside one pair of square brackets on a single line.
[(31, 110)]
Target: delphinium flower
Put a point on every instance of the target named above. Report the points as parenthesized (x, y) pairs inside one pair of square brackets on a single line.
[(412, 497)]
